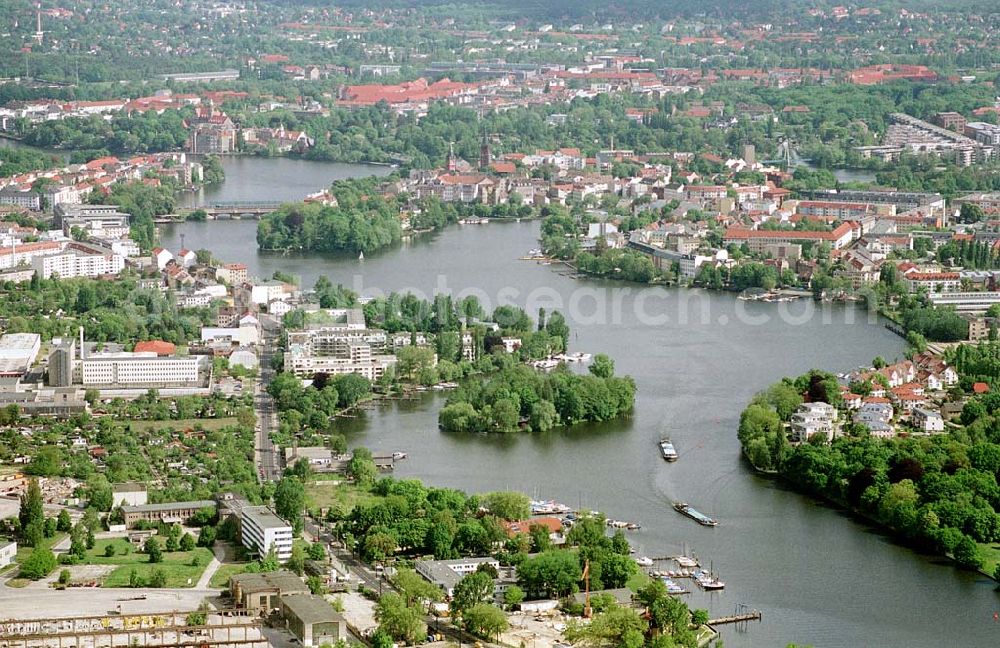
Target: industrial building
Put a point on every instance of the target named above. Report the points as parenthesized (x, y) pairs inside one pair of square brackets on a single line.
[(313, 620), (17, 353)]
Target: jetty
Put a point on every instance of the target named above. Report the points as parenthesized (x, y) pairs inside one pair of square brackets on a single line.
[(752, 615)]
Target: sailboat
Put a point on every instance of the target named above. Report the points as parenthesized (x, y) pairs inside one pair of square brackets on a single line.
[(361, 257)]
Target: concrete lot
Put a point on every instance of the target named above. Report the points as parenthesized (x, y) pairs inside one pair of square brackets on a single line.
[(44, 603), (534, 633), (359, 611)]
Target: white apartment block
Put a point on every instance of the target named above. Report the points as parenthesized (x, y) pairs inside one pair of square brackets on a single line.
[(811, 419), (69, 264), (260, 530)]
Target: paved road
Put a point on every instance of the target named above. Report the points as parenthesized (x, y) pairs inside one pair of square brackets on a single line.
[(218, 555), (264, 451)]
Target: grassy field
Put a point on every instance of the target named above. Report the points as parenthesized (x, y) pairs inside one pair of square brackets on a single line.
[(24, 551), (342, 497), (639, 580), (177, 565), (990, 554), (182, 424), (225, 572)]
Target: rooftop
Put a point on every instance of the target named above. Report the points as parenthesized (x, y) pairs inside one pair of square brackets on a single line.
[(168, 506), (310, 608), (264, 517)]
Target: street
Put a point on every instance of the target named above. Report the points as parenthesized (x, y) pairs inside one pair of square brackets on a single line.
[(264, 454)]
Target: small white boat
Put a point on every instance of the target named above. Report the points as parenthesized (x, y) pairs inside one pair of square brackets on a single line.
[(361, 257), (398, 455), (667, 449), (643, 561)]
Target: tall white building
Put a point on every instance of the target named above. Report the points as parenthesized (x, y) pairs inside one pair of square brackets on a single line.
[(261, 529)]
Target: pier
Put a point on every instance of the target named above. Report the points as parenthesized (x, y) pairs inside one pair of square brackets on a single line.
[(753, 615)]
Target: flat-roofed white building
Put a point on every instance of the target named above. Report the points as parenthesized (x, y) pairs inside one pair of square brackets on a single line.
[(18, 352), (144, 370), (73, 263), (261, 529)]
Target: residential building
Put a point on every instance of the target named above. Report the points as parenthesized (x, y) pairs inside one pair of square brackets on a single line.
[(77, 261), (261, 530), (933, 282), (811, 419), (234, 274), (927, 420), (758, 240)]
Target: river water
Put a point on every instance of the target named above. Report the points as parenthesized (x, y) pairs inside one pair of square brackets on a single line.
[(818, 576)]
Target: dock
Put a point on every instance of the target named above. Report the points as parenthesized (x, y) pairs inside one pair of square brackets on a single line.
[(753, 615)]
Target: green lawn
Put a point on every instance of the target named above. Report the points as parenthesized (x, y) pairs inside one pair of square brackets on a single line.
[(639, 580), (990, 554), (177, 565), (225, 572), (182, 424), (24, 551), (342, 497)]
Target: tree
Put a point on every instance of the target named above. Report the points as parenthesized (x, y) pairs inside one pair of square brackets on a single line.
[(514, 595), (134, 579), (158, 578), (485, 620), (966, 553), (39, 564), (471, 590), (552, 573), (187, 542), (414, 588), (399, 621), (297, 561), (317, 551), (290, 499), (602, 366), (109, 550), (617, 626), (206, 536), (63, 522), (32, 510), (362, 467), (153, 550), (508, 505)]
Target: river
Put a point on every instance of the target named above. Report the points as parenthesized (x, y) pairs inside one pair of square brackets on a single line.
[(818, 576)]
